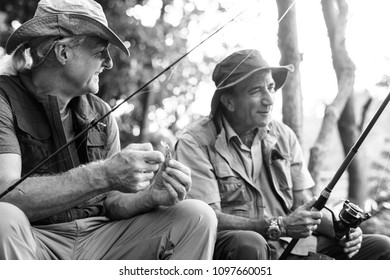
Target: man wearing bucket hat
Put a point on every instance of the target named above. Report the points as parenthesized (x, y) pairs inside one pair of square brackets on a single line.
[(250, 169), (92, 200)]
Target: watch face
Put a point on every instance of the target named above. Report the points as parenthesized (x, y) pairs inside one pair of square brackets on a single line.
[(274, 233), (274, 230)]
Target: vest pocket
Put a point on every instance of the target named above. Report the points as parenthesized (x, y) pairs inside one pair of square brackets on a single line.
[(96, 144), (33, 151), (235, 199), (232, 191)]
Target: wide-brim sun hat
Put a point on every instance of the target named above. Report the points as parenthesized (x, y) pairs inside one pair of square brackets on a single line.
[(65, 18), (239, 66)]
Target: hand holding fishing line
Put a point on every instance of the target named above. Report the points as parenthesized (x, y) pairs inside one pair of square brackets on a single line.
[(158, 179), (172, 181)]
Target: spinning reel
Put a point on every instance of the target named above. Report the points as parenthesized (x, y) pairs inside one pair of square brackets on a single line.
[(350, 216)]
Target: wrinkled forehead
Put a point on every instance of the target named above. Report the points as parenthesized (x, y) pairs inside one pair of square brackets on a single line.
[(258, 79)]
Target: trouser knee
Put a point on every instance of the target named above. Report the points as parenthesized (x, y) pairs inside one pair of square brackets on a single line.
[(11, 219), (378, 248), (241, 245), (198, 212)]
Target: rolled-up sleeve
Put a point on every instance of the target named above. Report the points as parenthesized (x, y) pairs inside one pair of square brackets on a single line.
[(299, 173), (204, 183)]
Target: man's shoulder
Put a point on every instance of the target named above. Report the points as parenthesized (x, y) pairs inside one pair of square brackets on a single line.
[(7, 78), (9, 82), (280, 128), (98, 103), (202, 130), (96, 99)]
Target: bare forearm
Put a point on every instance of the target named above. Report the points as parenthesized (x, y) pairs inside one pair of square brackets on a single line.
[(231, 222), (126, 205), (43, 196)]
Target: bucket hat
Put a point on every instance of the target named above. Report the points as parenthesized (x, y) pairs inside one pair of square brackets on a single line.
[(239, 66), (65, 18)]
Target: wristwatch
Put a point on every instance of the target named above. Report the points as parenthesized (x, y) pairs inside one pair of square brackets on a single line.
[(274, 232), (282, 227)]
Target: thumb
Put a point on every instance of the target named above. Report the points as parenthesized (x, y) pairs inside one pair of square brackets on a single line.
[(309, 205)]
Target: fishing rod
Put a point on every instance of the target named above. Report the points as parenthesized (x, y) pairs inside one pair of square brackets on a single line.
[(97, 121), (325, 194)]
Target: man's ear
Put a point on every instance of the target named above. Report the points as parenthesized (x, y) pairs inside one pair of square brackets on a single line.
[(62, 53), (228, 102)]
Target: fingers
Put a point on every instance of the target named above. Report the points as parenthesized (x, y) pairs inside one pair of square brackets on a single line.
[(352, 247), (179, 166), (316, 216), (139, 147), (180, 173), (174, 195), (312, 228), (309, 205), (302, 223), (354, 243), (153, 157), (142, 161), (176, 190), (177, 179), (143, 185), (309, 230)]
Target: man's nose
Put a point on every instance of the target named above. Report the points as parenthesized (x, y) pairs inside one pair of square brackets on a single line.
[(267, 98), (107, 61)]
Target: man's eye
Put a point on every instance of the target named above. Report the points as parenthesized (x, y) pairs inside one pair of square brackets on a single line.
[(255, 91), (271, 88), (101, 53)]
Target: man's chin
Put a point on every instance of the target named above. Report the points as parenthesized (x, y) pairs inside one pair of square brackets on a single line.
[(94, 90), (264, 123)]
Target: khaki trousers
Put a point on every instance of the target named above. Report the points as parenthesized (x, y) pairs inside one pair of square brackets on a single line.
[(184, 231)]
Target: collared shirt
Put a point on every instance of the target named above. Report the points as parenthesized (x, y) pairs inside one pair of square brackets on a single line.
[(253, 183), (213, 158), (252, 160)]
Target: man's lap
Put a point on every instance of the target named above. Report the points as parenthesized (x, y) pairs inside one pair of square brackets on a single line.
[(373, 247)]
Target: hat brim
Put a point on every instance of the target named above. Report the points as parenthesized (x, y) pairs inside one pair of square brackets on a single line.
[(279, 75), (62, 25)]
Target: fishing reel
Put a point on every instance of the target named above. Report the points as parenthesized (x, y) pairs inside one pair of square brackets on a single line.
[(350, 216)]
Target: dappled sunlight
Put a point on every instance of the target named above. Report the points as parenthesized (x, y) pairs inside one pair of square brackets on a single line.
[(148, 13), (125, 108)]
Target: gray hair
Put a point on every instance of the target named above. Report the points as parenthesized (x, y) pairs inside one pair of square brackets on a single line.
[(34, 53)]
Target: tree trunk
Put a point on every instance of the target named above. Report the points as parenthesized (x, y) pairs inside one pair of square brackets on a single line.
[(288, 46), (349, 133), (341, 110)]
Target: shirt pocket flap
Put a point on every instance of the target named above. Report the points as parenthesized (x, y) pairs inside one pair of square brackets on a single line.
[(223, 170), (96, 138)]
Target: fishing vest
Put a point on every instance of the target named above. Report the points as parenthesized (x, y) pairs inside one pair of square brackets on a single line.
[(37, 129), (238, 194)]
